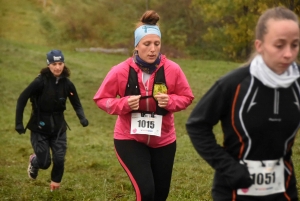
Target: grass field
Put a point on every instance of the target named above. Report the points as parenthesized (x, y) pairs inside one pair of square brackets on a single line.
[(92, 171)]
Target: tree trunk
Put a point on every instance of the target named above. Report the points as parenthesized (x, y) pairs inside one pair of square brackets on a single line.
[(147, 4), (291, 6)]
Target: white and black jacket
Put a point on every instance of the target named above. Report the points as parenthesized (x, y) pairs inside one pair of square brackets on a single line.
[(258, 123)]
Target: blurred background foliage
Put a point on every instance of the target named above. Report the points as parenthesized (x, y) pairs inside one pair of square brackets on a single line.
[(199, 29)]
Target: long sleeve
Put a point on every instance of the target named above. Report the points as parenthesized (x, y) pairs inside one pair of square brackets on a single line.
[(75, 101), (33, 88), (111, 87), (205, 115), (181, 95)]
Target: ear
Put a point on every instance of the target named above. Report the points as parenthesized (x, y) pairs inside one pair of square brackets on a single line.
[(258, 45)]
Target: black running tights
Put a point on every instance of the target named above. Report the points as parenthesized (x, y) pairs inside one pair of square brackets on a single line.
[(42, 144), (149, 169)]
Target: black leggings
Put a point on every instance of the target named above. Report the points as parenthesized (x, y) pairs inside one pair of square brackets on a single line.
[(149, 169), (42, 144)]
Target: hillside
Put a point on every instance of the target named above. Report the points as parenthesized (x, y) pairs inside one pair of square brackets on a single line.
[(64, 23), (21, 21), (80, 24)]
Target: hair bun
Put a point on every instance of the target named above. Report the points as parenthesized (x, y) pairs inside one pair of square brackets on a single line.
[(150, 17)]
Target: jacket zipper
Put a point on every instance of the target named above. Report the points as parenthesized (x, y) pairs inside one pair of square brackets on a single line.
[(147, 103)]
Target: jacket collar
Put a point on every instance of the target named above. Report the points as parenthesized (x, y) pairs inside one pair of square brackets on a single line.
[(131, 62)]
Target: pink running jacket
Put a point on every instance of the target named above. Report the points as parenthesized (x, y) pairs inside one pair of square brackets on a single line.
[(110, 98)]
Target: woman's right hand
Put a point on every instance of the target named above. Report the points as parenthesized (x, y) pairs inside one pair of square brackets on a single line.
[(133, 102), (239, 177)]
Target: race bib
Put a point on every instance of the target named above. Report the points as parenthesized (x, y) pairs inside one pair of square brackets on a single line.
[(146, 124), (268, 177)]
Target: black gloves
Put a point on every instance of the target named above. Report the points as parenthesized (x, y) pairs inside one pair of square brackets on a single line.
[(84, 122), (240, 178), (20, 129)]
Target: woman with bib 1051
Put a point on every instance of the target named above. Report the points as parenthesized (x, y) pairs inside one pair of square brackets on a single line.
[(258, 106)]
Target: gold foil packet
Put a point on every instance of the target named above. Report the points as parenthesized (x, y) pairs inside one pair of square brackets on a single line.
[(159, 88)]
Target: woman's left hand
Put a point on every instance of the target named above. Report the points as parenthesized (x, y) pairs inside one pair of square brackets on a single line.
[(162, 99)]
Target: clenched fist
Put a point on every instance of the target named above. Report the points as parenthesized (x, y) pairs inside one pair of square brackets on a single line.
[(133, 102)]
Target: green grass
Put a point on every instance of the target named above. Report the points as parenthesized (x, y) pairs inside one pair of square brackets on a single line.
[(92, 171)]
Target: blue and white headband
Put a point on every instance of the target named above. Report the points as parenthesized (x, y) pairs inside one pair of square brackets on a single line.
[(144, 30)]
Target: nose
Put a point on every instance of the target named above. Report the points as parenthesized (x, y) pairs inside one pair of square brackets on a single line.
[(288, 52), (152, 48)]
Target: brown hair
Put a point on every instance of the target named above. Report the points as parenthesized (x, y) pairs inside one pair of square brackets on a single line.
[(277, 13), (65, 73), (149, 17), (261, 29)]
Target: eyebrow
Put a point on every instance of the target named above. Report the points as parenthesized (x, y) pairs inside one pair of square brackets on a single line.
[(151, 41), (284, 40)]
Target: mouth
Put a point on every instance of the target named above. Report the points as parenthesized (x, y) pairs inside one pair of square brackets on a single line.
[(285, 65), (152, 56)]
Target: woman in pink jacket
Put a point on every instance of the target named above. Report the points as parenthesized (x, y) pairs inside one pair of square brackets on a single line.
[(144, 91)]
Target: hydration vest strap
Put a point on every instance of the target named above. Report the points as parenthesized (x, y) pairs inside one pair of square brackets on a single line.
[(132, 87), (160, 76), (144, 97), (144, 112)]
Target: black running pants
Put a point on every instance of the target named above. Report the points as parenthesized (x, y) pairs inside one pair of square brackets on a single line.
[(149, 169), (42, 144)]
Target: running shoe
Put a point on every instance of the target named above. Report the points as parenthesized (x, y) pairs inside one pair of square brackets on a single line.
[(32, 171)]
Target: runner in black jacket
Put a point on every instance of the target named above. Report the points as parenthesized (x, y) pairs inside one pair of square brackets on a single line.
[(258, 106), (48, 94)]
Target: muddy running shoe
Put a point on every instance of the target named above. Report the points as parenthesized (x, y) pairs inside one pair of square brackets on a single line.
[(32, 172), (54, 186)]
